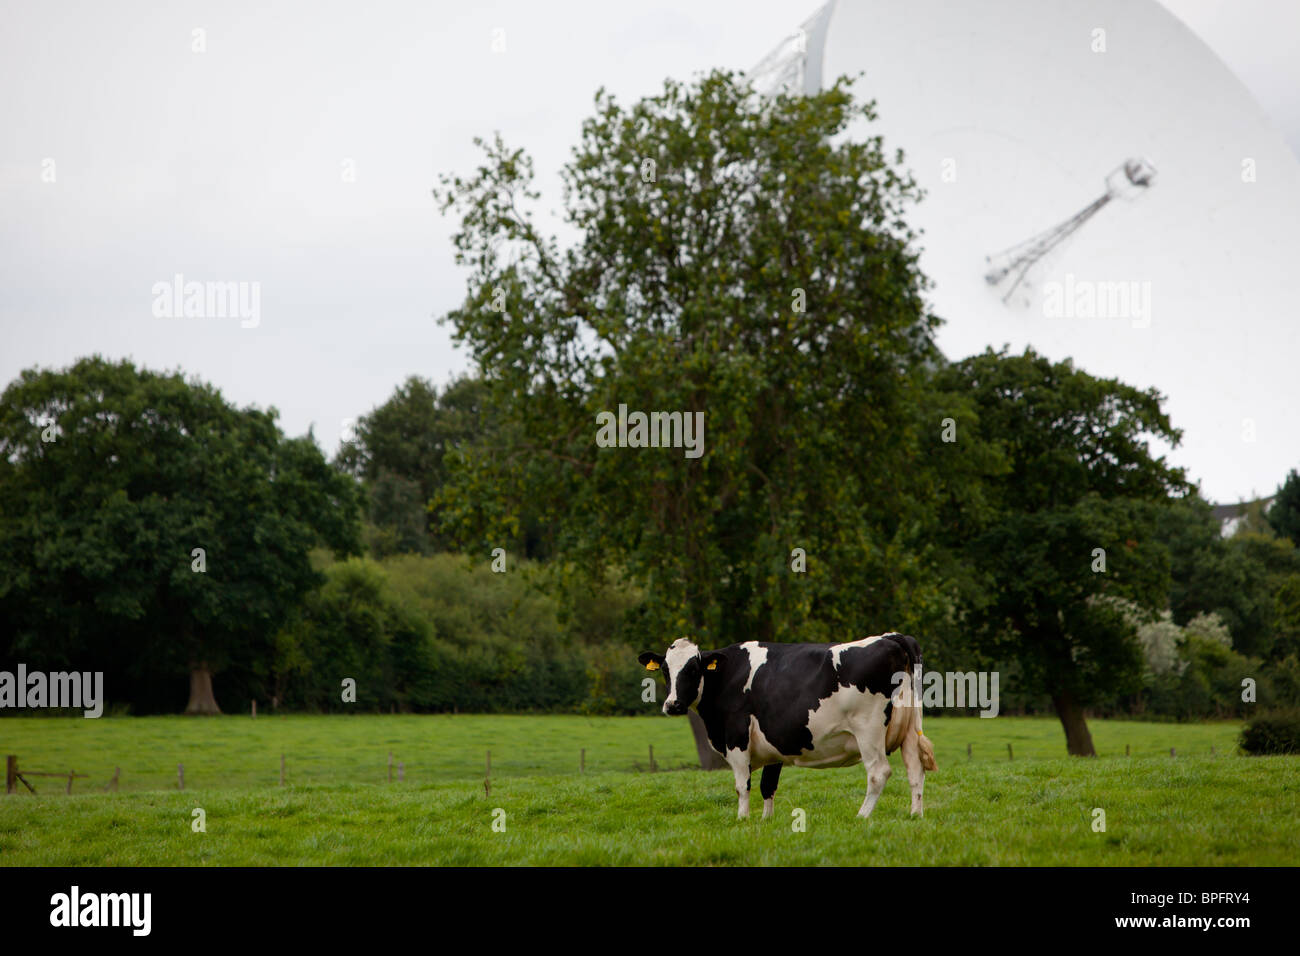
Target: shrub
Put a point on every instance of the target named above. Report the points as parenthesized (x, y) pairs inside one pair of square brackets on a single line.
[(1275, 733), (441, 633)]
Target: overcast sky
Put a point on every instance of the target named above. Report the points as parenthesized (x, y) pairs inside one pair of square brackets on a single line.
[(297, 149)]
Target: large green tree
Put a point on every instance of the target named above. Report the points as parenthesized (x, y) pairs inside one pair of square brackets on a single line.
[(150, 529), (1071, 520), (1284, 514), (399, 451), (1251, 580), (734, 256)]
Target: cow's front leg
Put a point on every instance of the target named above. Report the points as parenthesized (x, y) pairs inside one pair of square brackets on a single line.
[(738, 758)]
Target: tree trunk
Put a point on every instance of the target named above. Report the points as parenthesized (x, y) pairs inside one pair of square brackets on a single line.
[(1078, 741), (709, 758), (202, 700)]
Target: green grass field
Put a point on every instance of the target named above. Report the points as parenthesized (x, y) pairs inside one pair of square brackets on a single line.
[(1197, 808)]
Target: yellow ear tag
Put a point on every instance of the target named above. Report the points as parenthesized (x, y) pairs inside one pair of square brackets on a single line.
[(713, 666), (652, 665)]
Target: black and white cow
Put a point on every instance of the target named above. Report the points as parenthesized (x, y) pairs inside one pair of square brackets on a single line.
[(809, 705)]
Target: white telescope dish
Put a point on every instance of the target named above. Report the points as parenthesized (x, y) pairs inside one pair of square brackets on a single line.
[(1018, 117)]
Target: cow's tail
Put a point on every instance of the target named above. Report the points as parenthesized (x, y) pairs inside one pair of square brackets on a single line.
[(923, 744), (913, 712)]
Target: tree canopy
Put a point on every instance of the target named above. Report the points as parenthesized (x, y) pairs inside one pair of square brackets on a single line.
[(1073, 519), (399, 450), (1284, 515), (737, 257), (150, 528)]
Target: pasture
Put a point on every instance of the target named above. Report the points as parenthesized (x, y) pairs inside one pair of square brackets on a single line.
[(338, 808)]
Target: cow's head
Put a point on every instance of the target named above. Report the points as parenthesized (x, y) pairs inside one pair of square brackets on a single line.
[(683, 668)]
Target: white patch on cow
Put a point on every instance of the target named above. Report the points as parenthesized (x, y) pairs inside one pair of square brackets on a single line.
[(768, 803), (838, 649), (757, 658), (841, 725), (761, 750), (681, 651)]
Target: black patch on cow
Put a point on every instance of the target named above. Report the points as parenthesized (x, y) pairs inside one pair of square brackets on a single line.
[(688, 682), (767, 783), (912, 648), (909, 644), (872, 668), (724, 706), (786, 687)]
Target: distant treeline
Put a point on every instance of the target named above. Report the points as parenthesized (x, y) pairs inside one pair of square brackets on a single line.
[(444, 632), (102, 526), (439, 633)]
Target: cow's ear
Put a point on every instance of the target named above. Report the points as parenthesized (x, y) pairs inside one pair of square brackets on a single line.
[(712, 660), (651, 660)]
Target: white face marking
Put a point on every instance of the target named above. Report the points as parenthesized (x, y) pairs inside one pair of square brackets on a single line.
[(757, 657), (681, 651)]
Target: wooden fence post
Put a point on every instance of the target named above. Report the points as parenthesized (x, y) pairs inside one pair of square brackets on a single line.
[(652, 758), (1126, 750), (582, 761), (180, 775), (1010, 755), (255, 710), (1173, 752), (117, 772), (968, 751), (71, 774), (11, 773)]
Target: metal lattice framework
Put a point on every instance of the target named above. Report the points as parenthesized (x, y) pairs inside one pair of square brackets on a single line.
[(1124, 182)]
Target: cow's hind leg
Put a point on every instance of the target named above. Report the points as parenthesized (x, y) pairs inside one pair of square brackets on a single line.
[(911, 753), (767, 787), (871, 744), (878, 772)]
